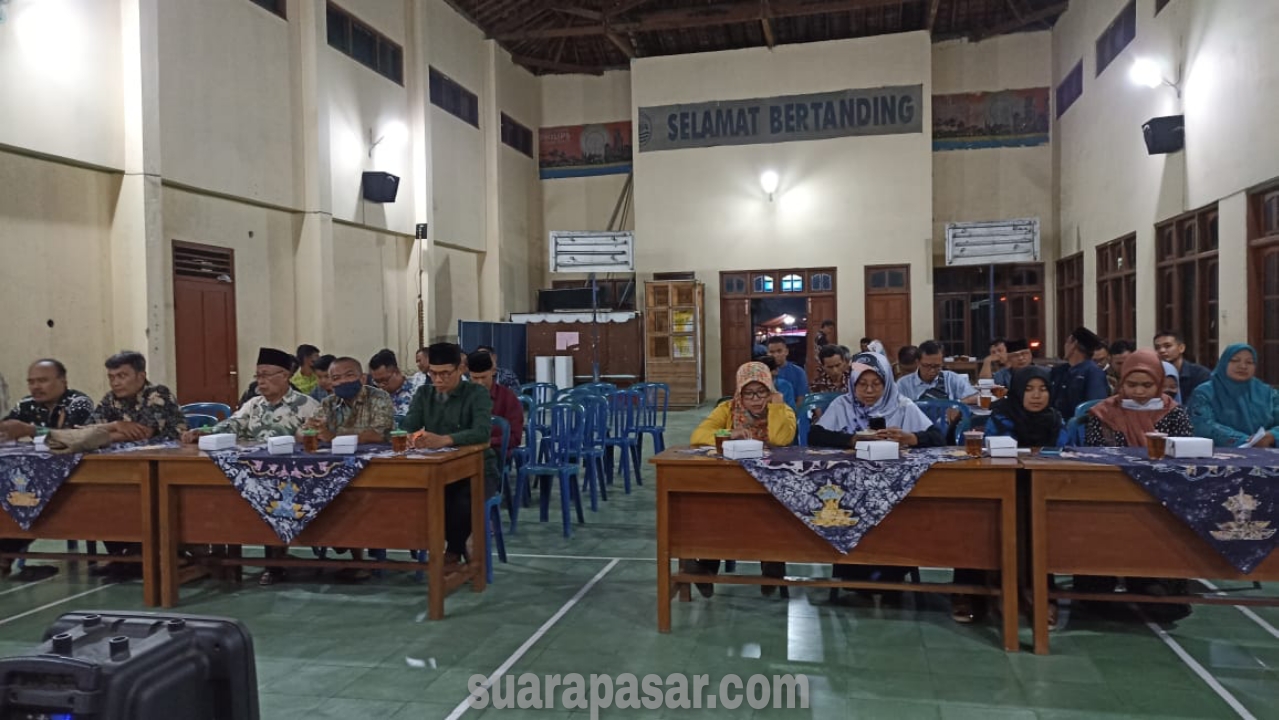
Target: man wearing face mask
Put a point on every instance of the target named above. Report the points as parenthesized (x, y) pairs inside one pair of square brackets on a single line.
[(354, 408), (452, 413)]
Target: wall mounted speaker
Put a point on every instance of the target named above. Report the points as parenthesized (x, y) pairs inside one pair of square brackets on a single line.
[(380, 187), (1165, 134)]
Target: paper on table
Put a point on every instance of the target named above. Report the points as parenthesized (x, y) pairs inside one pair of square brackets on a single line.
[(1256, 438)]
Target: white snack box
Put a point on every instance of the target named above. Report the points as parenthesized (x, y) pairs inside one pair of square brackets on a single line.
[(1008, 452), (220, 441), (996, 442), (344, 444), (878, 450), (743, 449), (1189, 447), (41, 442), (986, 383), (280, 445)]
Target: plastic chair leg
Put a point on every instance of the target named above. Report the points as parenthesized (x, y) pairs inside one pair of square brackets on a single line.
[(575, 492), (626, 469), (598, 462), (608, 463), (521, 488), (659, 442), (488, 542), (564, 504), (591, 481), (545, 482), (379, 555), (635, 455)]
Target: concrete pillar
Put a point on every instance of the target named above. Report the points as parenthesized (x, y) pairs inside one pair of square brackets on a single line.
[(416, 77), (490, 125)]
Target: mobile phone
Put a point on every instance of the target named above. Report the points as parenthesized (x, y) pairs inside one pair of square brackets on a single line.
[(1050, 451), (878, 423)]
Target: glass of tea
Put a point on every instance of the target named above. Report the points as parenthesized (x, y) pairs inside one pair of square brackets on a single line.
[(973, 441), (720, 437), (311, 441), (399, 441), (1156, 445)]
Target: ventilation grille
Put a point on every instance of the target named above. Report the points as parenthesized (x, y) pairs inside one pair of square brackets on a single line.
[(209, 263)]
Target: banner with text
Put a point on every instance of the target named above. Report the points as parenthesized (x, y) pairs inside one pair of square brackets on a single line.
[(584, 150), (1008, 118), (788, 118)]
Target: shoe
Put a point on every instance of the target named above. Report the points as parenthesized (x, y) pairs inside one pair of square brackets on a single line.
[(32, 573), (961, 609), (693, 567), (266, 579)]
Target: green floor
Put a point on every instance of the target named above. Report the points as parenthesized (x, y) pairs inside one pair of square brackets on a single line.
[(337, 651)]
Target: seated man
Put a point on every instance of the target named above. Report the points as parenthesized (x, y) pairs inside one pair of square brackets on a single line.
[(506, 378), (135, 409), (1017, 355), (279, 410), (419, 378), (834, 377), (323, 388), (385, 368), (50, 405), (782, 385), (505, 404), (907, 361), (453, 413), (304, 379), (354, 408), (931, 382)]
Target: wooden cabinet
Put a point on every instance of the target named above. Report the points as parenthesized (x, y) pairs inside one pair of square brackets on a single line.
[(675, 339)]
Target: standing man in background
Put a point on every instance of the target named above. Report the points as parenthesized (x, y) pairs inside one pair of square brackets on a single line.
[(790, 372)]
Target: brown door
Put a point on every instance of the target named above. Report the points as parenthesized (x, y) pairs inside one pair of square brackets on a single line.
[(888, 306), (204, 324), (820, 308), (735, 340)]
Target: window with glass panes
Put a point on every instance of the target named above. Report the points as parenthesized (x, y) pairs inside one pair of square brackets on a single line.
[(1263, 281), (1186, 272), (966, 316), (1117, 289), (1070, 295)]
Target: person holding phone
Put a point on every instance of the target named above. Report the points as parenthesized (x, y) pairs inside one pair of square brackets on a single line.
[(873, 403)]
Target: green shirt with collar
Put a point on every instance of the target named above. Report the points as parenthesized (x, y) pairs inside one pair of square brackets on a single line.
[(464, 415)]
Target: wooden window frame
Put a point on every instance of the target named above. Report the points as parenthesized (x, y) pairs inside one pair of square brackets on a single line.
[(904, 290), (516, 135), (453, 98), (1007, 294), (1070, 295), (1263, 237), (1117, 289), (391, 68), (1172, 263)]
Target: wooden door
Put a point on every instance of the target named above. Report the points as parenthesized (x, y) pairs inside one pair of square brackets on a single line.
[(735, 340), (820, 308), (204, 324), (888, 306)]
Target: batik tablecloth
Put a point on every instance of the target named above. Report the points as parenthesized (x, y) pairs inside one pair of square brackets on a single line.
[(1231, 500), (29, 478), (838, 496)]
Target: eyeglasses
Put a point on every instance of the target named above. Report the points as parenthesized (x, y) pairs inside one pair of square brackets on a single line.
[(263, 376), (755, 394), (930, 366), (441, 374)]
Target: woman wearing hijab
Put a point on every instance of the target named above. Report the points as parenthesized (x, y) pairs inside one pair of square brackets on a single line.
[(1234, 404), (1172, 382), (872, 395), (1026, 413), (1140, 406), (755, 412)]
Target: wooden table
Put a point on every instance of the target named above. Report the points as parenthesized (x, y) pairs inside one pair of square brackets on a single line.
[(393, 503), (108, 498), (960, 514), (1088, 519)]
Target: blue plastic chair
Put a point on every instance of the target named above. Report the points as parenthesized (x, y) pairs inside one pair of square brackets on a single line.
[(543, 395), (563, 446), (195, 421), (596, 433), (937, 410), (624, 410), (601, 388), (220, 411), (399, 421), (493, 506), (526, 453), (1084, 407), (652, 421), (810, 403), (1075, 431)]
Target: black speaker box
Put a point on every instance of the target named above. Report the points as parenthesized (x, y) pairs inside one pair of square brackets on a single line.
[(1165, 134), (133, 666), (380, 187)]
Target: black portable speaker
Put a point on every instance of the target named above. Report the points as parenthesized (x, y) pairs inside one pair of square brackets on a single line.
[(133, 666), (380, 187), (1164, 134)]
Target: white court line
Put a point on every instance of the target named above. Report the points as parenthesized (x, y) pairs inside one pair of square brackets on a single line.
[(463, 706), (55, 603), (24, 586), (1247, 611), (1199, 670)]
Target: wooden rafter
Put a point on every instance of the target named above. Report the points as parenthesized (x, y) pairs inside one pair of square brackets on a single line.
[(595, 15), (625, 7), (1018, 23), (620, 43), (710, 15), (540, 64), (766, 24), (933, 6)]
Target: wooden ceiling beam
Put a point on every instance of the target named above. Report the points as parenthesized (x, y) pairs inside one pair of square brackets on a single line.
[(625, 7), (766, 24), (540, 64), (1018, 23), (708, 16), (582, 13), (620, 43), (933, 6)]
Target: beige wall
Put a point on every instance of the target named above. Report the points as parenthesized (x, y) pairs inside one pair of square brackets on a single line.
[(55, 240), (60, 70), (456, 275), (1109, 186), (519, 191), (847, 202)]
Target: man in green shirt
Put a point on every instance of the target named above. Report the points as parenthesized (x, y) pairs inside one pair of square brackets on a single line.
[(452, 413)]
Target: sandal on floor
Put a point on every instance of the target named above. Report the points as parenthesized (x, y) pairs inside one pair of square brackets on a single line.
[(962, 610), (270, 577)]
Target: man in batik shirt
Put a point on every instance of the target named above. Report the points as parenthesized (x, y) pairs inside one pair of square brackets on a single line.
[(834, 375), (385, 369), (135, 409), (50, 405), (354, 408), (278, 410)]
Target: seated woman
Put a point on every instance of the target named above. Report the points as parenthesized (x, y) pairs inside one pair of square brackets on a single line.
[(1234, 404), (1140, 406), (755, 412), (1172, 382), (1025, 414), (872, 395)]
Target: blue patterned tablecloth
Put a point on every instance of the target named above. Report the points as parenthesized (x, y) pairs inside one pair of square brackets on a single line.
[(838, 496), (1231, 500), (29, 478), (289, 491)]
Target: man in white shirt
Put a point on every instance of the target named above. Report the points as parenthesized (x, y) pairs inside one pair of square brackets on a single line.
[(931, 382)]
